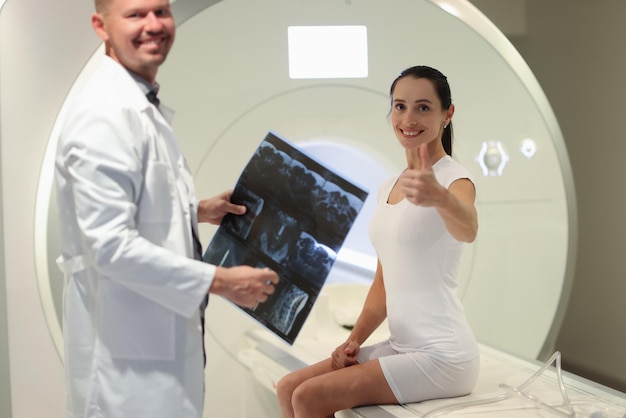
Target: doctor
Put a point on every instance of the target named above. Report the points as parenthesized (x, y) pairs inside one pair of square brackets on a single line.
[(128, 218)]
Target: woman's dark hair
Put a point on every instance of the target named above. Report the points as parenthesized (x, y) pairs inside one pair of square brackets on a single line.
[(440, 82)]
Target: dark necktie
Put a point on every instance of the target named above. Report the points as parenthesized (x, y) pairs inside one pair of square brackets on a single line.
[(152, 98), (197, 254)]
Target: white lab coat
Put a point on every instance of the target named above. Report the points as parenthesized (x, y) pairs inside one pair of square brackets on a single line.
[(133, 345)]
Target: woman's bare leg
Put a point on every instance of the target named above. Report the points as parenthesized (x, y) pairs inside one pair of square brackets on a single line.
[(320, 395), (286, 386)]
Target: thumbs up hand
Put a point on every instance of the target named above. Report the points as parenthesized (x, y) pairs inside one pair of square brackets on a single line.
[(420, 186)]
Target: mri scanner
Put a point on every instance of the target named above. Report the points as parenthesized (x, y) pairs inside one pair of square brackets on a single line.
[(228, 78)]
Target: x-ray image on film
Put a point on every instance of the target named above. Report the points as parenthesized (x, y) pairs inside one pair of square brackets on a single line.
[(298, 215)]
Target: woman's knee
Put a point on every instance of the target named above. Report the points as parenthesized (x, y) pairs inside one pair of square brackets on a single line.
[(300, 398), (308, 397), (285, 387)]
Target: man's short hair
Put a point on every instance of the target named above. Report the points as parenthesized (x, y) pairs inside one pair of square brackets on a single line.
[(101, 5)]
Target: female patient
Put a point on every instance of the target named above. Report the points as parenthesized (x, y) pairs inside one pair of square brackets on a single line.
[(423, 218)]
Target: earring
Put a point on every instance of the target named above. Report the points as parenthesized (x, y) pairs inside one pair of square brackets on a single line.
[(445, 125)]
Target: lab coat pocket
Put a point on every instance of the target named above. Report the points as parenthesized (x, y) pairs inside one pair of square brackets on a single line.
[(132, 326)]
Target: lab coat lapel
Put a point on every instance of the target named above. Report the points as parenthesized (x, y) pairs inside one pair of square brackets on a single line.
[(184, 179)]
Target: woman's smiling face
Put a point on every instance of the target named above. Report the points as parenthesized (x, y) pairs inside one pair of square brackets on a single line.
[(417, 116)]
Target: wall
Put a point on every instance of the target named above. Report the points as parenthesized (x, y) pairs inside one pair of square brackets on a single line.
[(33, 85), (576, 51), (5, 383)]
